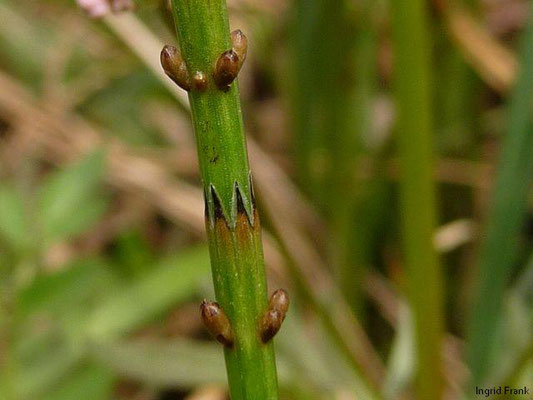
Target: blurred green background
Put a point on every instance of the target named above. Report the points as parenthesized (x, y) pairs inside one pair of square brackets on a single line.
[(103, 260)]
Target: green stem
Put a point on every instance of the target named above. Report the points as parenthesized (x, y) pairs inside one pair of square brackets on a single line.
[(319, 65), (414, 127), (349, 196), (232, 222)]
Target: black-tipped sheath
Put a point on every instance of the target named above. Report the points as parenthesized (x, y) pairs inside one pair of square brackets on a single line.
[(240, 203), (217, 206)]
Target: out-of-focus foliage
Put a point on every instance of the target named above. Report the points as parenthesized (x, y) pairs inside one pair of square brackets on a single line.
[(103, 262)]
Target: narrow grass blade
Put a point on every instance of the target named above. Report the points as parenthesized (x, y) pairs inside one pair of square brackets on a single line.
[(417, 191), (176, 279), (499, 249)]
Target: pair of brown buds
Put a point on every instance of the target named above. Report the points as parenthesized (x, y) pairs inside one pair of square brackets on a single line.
[(219, 326), (226, 67)]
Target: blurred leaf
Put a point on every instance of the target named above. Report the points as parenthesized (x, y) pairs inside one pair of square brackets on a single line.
[(46, 348), (71, 200), (133, 254), (73, 298), (500, 245), (121, 107), (305, 357), (314, 363), (64, 289), (175, 279), (40, 374), (514, 336), (180, 362), (24, 42), (401, 362), (91, 383), (177, 362), (13, 224)]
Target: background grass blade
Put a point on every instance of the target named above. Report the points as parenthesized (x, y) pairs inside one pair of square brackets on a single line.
[(500, 246), (417, 192)]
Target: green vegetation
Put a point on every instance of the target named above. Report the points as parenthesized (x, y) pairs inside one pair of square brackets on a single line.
[(417, 192), (391, 149), (502, 245)]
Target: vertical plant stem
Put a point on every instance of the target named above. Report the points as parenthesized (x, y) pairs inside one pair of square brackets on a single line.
[(320, 95), (307, 78), (414, 127), (327, 120), (232, 222), (352, 223), (499, 247)]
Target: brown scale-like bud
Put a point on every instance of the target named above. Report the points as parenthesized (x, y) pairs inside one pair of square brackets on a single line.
[(280, 301), (240, 45), (217, 322), (174, 66), (226, 69), (230, 62), (270, 324), (271, 321)]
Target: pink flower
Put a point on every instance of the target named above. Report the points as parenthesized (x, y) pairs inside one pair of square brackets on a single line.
[(99, 8), (95, 8)]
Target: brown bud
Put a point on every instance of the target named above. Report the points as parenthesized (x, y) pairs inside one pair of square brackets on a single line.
[(280, 301), (226, 69), (240, 45), (275, 315), (175, 67), (270, 324), (216, 322), (230, 62), (199, 81)]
